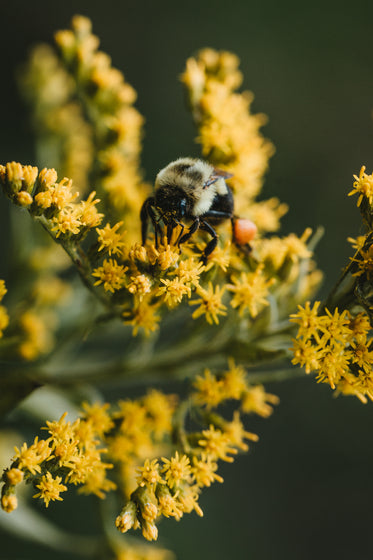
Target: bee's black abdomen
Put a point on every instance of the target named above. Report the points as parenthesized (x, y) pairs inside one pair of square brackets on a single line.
[(223, 204)]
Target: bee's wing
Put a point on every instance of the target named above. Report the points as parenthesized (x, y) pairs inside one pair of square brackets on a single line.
[(216, 175)]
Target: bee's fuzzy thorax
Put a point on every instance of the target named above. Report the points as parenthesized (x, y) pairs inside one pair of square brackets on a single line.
[(191, 176)]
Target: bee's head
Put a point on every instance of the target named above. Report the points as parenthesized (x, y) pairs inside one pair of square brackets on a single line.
[(171, 201)]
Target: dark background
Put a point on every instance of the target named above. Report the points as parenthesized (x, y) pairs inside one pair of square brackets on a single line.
[(305, 490)]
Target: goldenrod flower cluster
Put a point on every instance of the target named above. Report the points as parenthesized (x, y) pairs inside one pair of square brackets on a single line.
[(336, 343), (64, 138), (126, 435), (195, 313), (70, 455), (171, 486), (337, 347), (139, 281), (116, 125), (228, 132)]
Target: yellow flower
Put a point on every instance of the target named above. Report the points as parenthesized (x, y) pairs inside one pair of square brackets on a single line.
[(250, 291), (59, 195), (165, 256), (160, 408), (127, 518), (149, 531), (9, 503), (68, 221), (306, 354), (335, 326), (216, 444), (308, 320), (97, 416), (37, 336), (140, 285), (360, 326), (168, 504), (149, 474), (111, 275), (110, 240), (187, 498), (96, 481), (14, 476), (363, 185), (237, 433), (209, 390), (256, 400), (30, 458), (60, 430), (210, 303), (172, 291), (89, 216), (176, 469), (4, 319), (234, 381), (3, 289), (50, 488), (333, 365), (143, 316), (220, 257), (203, 470), (364, 260), (189, 271)]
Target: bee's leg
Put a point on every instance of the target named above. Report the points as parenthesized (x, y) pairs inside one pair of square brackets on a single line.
[(218, 215), (182, 227), (170, 230), (158, 232), (212, 243), (193, 228)]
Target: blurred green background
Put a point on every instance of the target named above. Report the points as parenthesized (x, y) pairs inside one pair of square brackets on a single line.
[(305, 490)]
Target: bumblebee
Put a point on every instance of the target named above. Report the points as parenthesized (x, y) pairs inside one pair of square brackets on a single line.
[(189, 190)]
